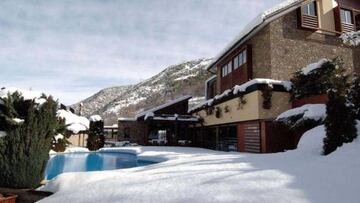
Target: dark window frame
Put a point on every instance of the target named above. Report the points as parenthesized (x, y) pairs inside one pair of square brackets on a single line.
[(351, 17), (241, 59)]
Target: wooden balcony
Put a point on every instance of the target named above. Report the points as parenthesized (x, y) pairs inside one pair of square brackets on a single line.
[(308, 21)]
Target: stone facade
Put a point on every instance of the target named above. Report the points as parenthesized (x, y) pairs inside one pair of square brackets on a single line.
[(356, 55), (293, 48), (282, 48), (261, 55)]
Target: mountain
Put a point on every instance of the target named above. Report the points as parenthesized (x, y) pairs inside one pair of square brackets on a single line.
[(125, 101)]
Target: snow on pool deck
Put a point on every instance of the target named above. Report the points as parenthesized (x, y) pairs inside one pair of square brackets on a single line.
[(201, 175)]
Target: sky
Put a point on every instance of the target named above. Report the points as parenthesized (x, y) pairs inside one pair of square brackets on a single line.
[(73, 48)]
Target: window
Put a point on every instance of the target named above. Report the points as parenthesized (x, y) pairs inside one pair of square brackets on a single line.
[(240, 59), (346, 16), (226, 69), (229, 66), (244, 54), (309, 9), (236, 62), (223, 71), (357, 21)]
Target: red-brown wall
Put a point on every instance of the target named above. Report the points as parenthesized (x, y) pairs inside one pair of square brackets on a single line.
[(318, 99), (237, 76)]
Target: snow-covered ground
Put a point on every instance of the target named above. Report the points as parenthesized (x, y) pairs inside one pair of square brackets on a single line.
[(200, 175)]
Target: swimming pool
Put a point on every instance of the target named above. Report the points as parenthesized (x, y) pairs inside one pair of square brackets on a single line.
[(95, 161)]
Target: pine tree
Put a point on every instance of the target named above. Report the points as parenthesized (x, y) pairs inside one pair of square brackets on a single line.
[(353, 95), (96, 139), (24, 151), (340, 122)]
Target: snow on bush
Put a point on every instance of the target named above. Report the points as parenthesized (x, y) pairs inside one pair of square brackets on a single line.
[(95, 118), (27, 94), (73, 122), (59, 137), (351, 38), (29, 128), (311, 67), (2, 134), (18, 120), (317, 78), (303, 118), (308, 111)]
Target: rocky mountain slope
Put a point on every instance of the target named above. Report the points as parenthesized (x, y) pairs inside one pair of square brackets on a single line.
[(125, 101)]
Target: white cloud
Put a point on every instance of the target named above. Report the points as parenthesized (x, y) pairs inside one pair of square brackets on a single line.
[(58, 45)]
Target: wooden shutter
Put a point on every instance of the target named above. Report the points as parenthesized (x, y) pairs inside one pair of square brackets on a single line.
[(308, 22), (252, 139)]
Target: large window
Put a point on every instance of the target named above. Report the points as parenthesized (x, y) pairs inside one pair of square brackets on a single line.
[(240, 59), (309, 9), (346, 16)]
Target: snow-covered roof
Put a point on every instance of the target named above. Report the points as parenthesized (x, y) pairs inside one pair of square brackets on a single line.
[(74, 122), (126, 119), (287, 85), (114, 126), (211, 78), (175, 117), (170, 103), (242, 88), (256, 25), (26, 94)]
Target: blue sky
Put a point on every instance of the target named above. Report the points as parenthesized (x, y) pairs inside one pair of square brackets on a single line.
[(73, 48)]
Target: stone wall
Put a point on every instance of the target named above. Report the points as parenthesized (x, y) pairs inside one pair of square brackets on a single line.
[(293, 48), (356, 55), (261, 60)]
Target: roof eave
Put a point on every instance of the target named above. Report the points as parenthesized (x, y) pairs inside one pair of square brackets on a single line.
[(266, 19)]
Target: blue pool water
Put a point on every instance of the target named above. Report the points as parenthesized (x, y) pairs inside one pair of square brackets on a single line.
[(96, 161)]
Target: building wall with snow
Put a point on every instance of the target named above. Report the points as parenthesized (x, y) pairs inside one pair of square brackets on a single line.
[(283, 47), (252, 110)]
